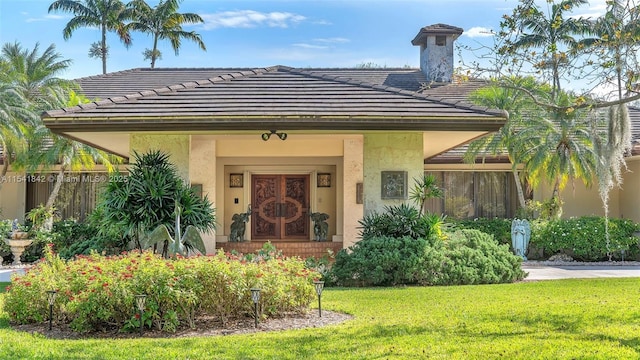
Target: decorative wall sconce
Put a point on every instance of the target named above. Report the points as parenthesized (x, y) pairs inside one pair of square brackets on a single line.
[(324, 180), (359, 193), (236, 180), (267, 136)]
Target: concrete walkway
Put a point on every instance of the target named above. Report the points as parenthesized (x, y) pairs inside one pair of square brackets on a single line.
[(579, 271)]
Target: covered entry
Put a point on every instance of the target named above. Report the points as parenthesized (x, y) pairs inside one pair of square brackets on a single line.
[(280, 207)]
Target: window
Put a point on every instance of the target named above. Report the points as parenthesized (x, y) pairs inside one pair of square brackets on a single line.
[(475, 194), (441, 40), (77, 197)]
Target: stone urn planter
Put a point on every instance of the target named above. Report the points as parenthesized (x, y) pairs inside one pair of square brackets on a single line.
[(18, 241)]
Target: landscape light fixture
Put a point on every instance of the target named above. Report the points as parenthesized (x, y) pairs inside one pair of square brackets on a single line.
[(266, 136), (255, 296), (140, 303), (51, 299), (319, 286)]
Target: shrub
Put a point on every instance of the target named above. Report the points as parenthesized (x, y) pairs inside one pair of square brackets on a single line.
[(385, 260), (6, 257), (499, 228), (96, 292), (584, 238), (473, 257), (396, 221)]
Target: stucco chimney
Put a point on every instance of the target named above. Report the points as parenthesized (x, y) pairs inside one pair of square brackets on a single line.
[(436, 51)]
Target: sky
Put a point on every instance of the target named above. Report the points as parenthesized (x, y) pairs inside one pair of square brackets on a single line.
[(260, 33)]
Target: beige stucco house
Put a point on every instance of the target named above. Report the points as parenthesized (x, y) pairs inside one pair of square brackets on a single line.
[(289, 142)]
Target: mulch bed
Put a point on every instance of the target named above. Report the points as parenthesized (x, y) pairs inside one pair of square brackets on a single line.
[(204, 327)]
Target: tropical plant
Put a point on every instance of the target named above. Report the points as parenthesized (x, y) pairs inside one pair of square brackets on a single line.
[(509, 139), (48, 149), (105, 15), (396, 221), (548, 41), (162, 22), (425, 188), (28, 85), (146, 198)]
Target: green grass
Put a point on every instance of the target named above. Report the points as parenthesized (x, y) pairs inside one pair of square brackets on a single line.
[(565, 319)]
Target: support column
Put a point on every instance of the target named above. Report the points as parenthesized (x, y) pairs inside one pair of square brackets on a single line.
[(352, 175), (202, 171), (394, 151), (177, 146)]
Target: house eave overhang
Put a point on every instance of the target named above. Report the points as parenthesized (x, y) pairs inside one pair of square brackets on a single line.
[(281, 122)]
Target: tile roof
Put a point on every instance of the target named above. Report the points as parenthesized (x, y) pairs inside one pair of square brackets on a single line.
[(455, 155), (282, 97)]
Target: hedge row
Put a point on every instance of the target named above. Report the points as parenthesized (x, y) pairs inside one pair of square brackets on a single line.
[(97, 292)]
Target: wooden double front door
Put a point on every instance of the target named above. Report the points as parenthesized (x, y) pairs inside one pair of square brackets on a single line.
[(280, 207)]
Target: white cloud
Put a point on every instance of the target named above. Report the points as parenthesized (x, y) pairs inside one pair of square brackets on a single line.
[(322, 22), (46, 18), (333, 40), (478, 31), (250, 19), (310, 46)]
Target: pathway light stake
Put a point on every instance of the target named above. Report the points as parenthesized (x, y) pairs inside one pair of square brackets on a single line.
[(140, 303), (319, 286), (51, 299), (255, 296)]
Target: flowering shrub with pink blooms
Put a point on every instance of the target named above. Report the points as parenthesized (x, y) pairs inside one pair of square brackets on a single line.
[(97, 293)]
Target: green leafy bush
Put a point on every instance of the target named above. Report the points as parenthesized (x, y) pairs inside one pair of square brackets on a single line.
[(6, 257), (499, 228), (473, 257), (584, 238), (396, 221), (96, 292), (386, 260)]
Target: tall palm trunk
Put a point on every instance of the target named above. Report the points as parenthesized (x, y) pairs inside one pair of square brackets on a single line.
[(103, 46), (154, 52), (56, 188), (520, 192)]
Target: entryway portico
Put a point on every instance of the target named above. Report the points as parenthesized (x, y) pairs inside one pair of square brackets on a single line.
[(340, 123)]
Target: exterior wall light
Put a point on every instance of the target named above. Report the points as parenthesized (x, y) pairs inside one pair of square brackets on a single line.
[(267, 136)]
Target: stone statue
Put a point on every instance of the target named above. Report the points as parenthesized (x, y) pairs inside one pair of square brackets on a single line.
[(520, 235), (320, 226), (238, 225)]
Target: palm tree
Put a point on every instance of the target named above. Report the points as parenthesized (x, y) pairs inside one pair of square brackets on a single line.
[(48, 149), (35, 75), (552, 32), (509, 139), (27, 86), (163, 22), (12, 110), (105, 15), (563, 149)]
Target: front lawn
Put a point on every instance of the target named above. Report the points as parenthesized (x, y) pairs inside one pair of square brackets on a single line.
[(566, 319)]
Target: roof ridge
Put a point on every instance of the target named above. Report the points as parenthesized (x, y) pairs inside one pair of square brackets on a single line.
[(398, 91), (163, 89)]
